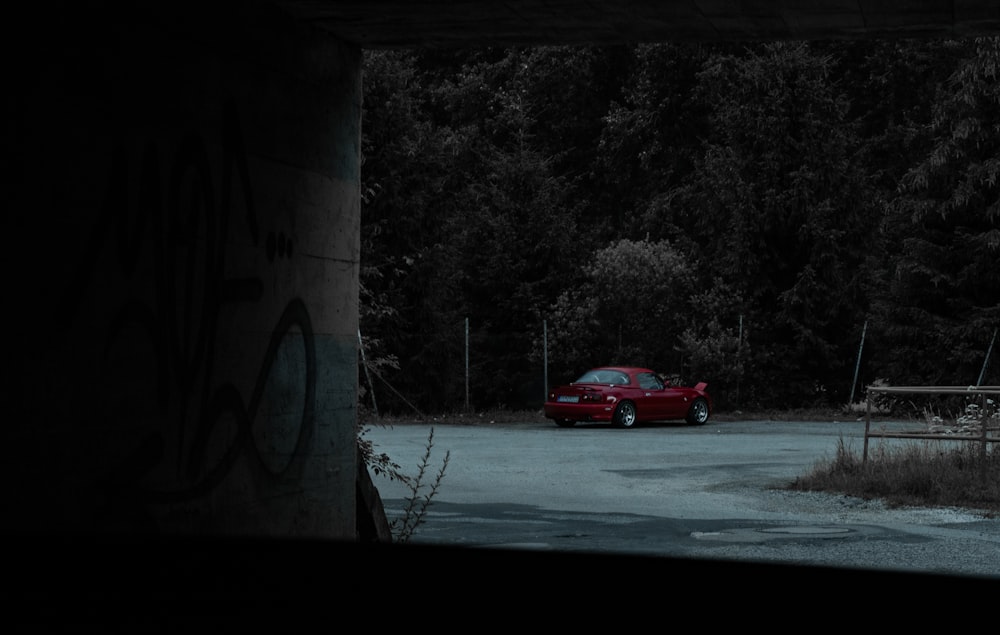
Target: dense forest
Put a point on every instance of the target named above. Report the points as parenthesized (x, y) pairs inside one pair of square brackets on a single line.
[(789, 222)]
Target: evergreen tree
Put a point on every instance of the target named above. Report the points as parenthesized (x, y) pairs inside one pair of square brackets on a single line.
[(784, 215), (942, 302)]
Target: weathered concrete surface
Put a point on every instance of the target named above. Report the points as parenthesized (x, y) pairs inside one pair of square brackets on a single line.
[(182, 273)]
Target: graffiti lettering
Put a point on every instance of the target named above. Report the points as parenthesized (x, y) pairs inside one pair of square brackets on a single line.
[(181, 221)]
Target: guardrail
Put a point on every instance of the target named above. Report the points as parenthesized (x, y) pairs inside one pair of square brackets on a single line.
[(986, 414)]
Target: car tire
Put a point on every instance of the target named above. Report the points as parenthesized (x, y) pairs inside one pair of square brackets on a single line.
[(565, 423), (698, 412), (625, 415)]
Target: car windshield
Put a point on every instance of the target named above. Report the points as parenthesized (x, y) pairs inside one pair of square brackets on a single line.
[(603, 376)]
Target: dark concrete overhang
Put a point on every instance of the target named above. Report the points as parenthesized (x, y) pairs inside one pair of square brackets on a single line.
[(464, 23)]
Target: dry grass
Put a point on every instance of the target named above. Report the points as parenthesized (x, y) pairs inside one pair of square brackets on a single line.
[(931, 472), (920, 473)]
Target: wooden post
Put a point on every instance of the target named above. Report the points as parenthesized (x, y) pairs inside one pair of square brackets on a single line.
[(868, 424)]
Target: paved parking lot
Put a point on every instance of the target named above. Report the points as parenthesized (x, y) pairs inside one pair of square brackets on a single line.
[(716, 491)]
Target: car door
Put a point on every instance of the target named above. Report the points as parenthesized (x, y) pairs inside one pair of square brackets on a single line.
[(660, 401), (674, 404), (653, 402)]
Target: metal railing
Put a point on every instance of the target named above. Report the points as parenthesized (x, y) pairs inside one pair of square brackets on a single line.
[(986, 434)]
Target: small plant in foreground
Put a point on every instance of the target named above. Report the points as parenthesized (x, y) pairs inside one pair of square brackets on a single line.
[(416, 505), (379, 464)]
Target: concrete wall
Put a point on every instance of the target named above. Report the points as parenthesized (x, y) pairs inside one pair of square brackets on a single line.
[(181, 272)]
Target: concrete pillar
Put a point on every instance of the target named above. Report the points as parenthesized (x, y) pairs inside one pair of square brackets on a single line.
[(181, 272)]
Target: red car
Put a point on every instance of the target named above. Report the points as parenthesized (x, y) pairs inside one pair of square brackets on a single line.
[(625, 396)]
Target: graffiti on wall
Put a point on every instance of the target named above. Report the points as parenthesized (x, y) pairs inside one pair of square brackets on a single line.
[(167, 245)]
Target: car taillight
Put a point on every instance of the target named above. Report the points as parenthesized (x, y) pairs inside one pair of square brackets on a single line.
[(590, 397)]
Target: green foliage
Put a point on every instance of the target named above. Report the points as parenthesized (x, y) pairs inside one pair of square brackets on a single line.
[(801, 189), (379, 463), (715, 345), (628, 309), (943, 299), (650, 141), (785, 213)]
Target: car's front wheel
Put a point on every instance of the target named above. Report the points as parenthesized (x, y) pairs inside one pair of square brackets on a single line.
[(625, 415), (698, 412)]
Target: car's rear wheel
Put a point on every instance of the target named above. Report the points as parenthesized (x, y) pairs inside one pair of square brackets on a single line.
[(698, 412), (565, 423), (625, 415)]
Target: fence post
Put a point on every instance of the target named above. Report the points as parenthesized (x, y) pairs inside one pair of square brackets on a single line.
[(545, 361), (857, 364), (739, 368), (986, 360), (984, 418), (868, 424), (466, 364)]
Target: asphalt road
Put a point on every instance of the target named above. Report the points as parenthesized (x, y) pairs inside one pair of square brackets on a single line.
[(711, 492)]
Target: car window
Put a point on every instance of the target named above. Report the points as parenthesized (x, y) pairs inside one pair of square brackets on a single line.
[(620, 379), (604, 377), (650, 381)]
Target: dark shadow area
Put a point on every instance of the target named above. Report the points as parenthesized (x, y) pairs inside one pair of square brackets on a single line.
[(175, 583)]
